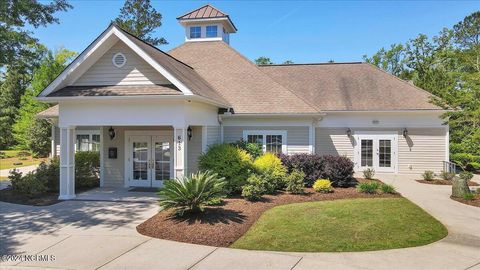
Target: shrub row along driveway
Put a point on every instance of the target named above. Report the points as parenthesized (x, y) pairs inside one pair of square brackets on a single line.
[(89, 235)]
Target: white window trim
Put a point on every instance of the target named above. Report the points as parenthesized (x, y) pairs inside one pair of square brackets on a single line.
[(282, 133), (89, 133)]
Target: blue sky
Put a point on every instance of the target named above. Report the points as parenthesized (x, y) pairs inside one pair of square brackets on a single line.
[(301, 31)]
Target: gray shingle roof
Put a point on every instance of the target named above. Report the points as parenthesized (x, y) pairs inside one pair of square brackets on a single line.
[(350, 87), (241, 82)]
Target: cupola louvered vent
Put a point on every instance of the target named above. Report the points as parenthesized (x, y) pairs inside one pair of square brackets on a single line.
[(119, 60)]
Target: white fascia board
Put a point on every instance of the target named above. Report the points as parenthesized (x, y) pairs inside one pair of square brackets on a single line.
[(295, 115), (112, 30), (152, 62), (149, 97), (77, 62)]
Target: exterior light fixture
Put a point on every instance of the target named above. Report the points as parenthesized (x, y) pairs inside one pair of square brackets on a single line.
[(111, 133), (189, 133), (405, 132), (349, 132)]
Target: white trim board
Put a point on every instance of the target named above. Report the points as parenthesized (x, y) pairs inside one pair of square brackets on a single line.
[(101, 42)]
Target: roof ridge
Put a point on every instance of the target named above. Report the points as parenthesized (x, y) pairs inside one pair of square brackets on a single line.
[(132, 35), (314, 64), (286, 88)]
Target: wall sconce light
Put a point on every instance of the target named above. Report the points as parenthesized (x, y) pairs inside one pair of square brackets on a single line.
[(189, 133), (111, 133), (349, 132), (405, 132)]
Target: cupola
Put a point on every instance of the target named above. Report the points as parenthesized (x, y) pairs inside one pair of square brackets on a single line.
[(207, 23)]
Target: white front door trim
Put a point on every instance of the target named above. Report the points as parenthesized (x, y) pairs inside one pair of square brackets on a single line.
[(151, 136), (376, 136)]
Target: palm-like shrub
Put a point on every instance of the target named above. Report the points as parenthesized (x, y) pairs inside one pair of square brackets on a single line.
[(193, 193)]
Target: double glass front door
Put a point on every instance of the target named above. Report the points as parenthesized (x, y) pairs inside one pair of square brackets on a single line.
[(150, 160), (377, 152)]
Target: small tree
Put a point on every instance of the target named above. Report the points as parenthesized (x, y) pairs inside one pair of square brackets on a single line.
[(139, 18)]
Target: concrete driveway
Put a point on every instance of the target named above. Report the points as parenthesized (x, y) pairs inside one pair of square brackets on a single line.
[(102, 235)]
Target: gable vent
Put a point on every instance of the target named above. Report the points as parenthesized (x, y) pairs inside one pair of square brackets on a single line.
[(119, 60)]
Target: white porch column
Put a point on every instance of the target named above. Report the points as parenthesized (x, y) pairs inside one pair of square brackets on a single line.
[(67, 163), (180, 151)]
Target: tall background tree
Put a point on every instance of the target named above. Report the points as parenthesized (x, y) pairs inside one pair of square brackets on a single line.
[(262, 60), (139, 18), (20, 53), (28, 131), (448, 66)]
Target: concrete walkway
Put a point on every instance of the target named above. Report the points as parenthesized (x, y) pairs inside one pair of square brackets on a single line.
[(102, 235), (24, 170)]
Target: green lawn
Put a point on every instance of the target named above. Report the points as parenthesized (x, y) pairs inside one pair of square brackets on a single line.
[(12, 158), (343, 225)]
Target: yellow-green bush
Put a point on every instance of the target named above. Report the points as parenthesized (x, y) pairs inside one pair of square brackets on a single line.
[(270, 164), (229, 162), (323, 185)]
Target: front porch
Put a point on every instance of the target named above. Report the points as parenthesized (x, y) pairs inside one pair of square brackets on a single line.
[(135, 156)]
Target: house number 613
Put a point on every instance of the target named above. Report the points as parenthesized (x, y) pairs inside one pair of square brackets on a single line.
[(179, 142)]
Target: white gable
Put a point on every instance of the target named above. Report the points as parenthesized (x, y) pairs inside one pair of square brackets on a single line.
[(136, 71)]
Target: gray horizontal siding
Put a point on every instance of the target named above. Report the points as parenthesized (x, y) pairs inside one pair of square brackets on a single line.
[(423, 149), (297, 137), (135, 71), (213, 135)]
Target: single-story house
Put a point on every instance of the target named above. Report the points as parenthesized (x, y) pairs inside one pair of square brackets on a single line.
[(151, 114)]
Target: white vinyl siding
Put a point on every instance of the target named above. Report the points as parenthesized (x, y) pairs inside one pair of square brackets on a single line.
[(194, 149), (136, 71), (423, 149), (297, 137), (333, 141)]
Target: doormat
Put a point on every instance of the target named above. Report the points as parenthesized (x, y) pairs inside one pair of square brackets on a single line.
[(143, 189)]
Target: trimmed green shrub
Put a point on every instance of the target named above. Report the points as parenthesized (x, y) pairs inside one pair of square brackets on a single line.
[(469, 196), (368, 187), (49, 174), (447, 175), (466, 175), (3, 155), (387, 189), (253, 149), (323, 186), (191, 194), (295, 183), (27, 185), (368, 173), (87, 169), (271, 166), (255, 188), (229, 162), (428, 175)]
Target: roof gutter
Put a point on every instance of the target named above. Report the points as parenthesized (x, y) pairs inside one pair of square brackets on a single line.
[(260, 115)]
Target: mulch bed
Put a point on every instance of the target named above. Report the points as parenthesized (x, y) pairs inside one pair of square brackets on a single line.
[(7, 195), (475, 202), (443, 182), (222, 225)]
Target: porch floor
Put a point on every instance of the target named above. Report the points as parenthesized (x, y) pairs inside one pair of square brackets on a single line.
[(118, 195)]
